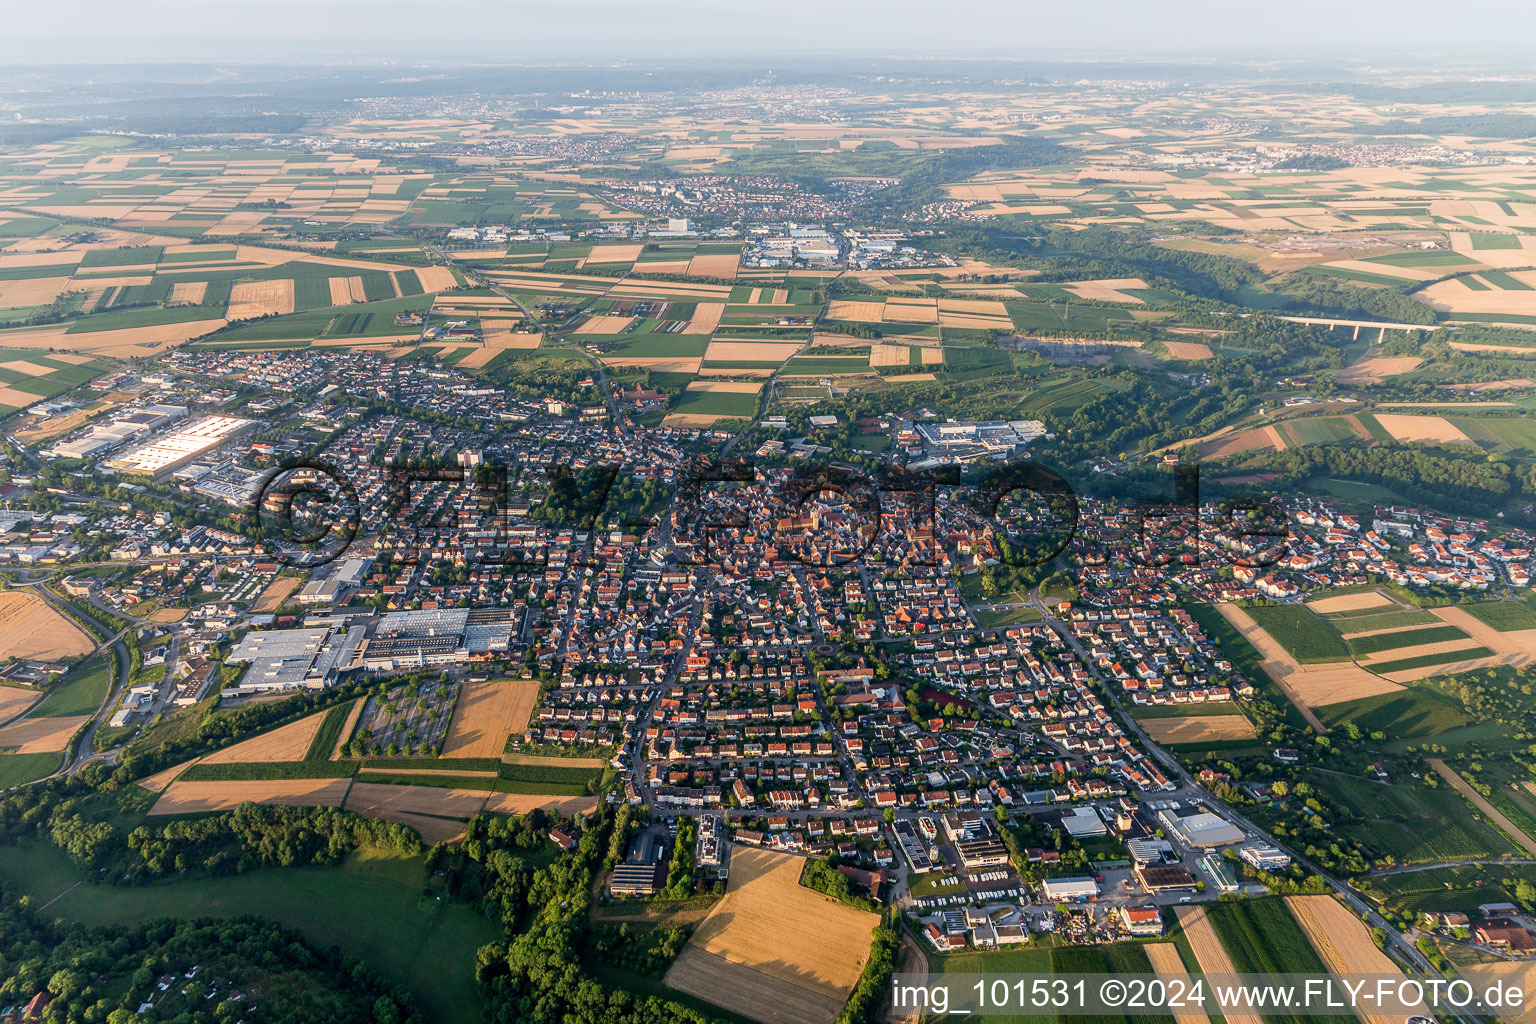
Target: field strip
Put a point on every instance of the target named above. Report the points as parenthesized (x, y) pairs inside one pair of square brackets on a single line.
[(1517, 647), (1276, 662), (1343, 942), (347, 727), (1491, 812), (157, 782), (14, 701), (1165, 961), (287, 743), (1212, 955)]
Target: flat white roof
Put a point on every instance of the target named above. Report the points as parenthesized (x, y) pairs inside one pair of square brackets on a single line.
[(190, 440)]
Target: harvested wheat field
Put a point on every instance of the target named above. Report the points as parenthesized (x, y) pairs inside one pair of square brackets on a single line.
[(157, 782), (379, 800), (14, 700), (276, 593), (1188, 350), (661, 364), (201, 797), (1199, 728), (26, 369), (436, 279), (16, 398), (604, 324), (722, 266), (40, 735), (287, 743), (30, 629), (1516, 647), (749, 352), (1507, 974), (487, 714), (1343, 942), (189, 292), (911, 311), (690, 419), (1211, 954), (1372, 368), (1257, 439), (750, 955), (706, 317), (862, 312), (1165, 960), (522, 803), (1307, 686), (890, 355), (37, 291), (168, 615), (1422, 429), (346, 290), (347, 727), (260, 298), (1109, 290), (1349, 602), (734, 387)]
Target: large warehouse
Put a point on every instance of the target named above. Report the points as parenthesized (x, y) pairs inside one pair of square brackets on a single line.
[(161, 455)]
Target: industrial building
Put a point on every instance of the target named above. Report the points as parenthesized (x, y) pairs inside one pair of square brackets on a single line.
[(1056, 889), (1203, 831), (444, 636), (161, 456), (294, 659)]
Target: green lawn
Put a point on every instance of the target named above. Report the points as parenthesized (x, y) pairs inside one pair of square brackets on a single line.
[(372, 907), (1308, 638), (81, 692)]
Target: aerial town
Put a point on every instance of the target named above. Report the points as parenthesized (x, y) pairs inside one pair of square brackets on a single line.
[(768, 551)]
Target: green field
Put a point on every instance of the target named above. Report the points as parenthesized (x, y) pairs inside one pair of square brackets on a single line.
[(1503, 616), (1411, 712), (18, 769), (1366, 620), (373, 906), (81, 692), (1412, 822), (1462, 887), (1415, 637), (715, 403), (1306, 637), (1045, 961), (1513, 434), (1425, 660)]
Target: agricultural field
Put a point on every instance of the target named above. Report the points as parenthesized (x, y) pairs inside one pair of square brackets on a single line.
[(487, 714), (1199, 729), (33, 631), (1304, 636), (745, 956)]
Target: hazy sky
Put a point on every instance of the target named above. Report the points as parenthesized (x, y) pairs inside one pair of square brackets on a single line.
[(517, 30)]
